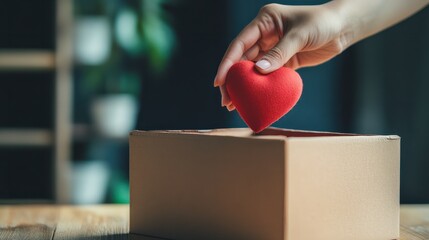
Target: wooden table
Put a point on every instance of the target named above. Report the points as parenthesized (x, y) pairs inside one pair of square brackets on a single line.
[(111, 222)]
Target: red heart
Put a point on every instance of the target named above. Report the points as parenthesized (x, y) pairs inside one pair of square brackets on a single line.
[(262, 99)]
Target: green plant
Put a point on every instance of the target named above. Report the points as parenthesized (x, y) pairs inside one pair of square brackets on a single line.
[(142, 28), (141, 31)]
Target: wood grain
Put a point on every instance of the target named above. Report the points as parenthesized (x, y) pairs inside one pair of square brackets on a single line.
[(27, 222), (109, 222), (40, 222), (414, 222)]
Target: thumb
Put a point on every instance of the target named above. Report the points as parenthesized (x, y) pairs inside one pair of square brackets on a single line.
[(279, 55)]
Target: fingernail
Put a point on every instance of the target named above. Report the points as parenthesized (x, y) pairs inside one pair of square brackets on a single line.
[(215, 83), (263, 64)]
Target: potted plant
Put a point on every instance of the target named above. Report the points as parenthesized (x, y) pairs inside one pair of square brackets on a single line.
[(112, 40), (114, 110), (139, 30)]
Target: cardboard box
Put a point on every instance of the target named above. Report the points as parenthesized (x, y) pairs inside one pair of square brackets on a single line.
[(277, 185)]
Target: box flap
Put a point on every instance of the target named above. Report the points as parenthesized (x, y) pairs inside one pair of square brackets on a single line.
[(269, 133), (226, 132)]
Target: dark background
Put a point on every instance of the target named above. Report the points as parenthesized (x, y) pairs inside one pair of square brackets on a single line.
[(378, 86)]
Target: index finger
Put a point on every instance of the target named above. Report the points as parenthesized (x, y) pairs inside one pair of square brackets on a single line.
[(245, 40)]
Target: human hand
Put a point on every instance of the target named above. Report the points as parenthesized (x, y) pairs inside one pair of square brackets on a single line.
[(280, 35)]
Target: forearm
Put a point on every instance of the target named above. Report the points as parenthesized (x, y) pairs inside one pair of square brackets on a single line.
[(363, 18)]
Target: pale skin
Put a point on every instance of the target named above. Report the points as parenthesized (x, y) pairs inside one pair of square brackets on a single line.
[(302, 36)]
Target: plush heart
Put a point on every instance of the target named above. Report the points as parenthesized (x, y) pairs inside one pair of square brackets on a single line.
[(262, 99)]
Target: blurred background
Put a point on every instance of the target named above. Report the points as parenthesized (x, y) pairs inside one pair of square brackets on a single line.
[(76, 76)]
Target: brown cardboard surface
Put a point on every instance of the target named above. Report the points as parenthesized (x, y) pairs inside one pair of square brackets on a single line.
[(280, 184), (346, 187)]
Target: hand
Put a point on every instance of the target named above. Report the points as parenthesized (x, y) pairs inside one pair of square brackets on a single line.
[(291, 36), (301, 36)]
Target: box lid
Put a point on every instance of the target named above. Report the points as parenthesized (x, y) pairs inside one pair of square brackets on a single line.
[(269, 133)]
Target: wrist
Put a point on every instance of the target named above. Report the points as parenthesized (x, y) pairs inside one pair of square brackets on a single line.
[(352, 26)]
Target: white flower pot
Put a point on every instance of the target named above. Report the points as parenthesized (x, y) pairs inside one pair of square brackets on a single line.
[(92, 40), (90, 181), (115, 115)]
